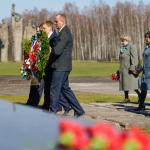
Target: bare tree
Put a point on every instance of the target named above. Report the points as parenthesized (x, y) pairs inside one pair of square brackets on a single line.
[(97, 29)]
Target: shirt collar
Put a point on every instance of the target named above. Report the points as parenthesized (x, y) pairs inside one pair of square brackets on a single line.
[(50, 34), (62, 28), (147, 46)]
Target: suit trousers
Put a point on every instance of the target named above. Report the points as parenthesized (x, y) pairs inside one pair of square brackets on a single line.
[(36, 94), (60, 84), (46, 104)]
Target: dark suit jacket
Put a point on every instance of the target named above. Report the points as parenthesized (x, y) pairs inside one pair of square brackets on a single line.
[(52, 39), (61, 54)]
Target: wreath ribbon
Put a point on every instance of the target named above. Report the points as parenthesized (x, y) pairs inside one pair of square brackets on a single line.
[(32, 68)]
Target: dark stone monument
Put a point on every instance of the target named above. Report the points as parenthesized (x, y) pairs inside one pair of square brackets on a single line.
[(23, 127)]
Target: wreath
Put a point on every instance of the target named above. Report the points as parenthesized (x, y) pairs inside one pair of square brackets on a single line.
[(36, 54)]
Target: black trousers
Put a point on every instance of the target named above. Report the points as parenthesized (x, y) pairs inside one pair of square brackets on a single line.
[(143, 97)]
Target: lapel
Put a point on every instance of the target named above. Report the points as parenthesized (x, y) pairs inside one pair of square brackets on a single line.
[(52, 36), (58, 37), (60, 34)]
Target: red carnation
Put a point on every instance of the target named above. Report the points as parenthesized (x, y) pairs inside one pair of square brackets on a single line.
[(136, 139), (106, 135), (25, 56), (113, 76), (33, 53), (23, 69), (35, 59), (73, 135), (35, 67), (24, 63), (32, 57), (36, 50), (28, 72), (35, 46), (33, 64), (116, 78), (37, 40), (26, 66)]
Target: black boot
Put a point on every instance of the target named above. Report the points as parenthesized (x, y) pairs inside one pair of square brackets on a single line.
[(141, 107)]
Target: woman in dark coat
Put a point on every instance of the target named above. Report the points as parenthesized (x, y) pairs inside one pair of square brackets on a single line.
[(145, 78), (128, 59)]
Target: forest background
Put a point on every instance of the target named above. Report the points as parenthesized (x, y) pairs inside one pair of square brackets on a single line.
[(96, 29)]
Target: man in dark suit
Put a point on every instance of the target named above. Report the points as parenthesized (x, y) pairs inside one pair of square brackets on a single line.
[(61, 64), (36, 91)]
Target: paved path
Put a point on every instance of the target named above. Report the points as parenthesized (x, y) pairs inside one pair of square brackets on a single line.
[(121, 115)]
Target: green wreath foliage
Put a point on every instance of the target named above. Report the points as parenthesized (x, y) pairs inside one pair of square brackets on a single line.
[(43, 54), (26, 45)]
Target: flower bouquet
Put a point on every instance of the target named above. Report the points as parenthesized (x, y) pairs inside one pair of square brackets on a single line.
[(26, 69), (100, 136), (37, 52), (115, 76)]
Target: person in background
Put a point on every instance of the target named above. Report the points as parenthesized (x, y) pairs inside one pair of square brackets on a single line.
[(35, 90), (38, 29), (145, 78), (128, 59)]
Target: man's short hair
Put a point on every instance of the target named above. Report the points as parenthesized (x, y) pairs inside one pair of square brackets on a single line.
[(62, 17), (48, 23)]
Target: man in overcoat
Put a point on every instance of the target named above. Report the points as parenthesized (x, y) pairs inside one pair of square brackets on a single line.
[(61, 65)]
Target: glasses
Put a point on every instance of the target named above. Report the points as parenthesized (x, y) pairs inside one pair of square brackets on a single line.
[(147, 38)]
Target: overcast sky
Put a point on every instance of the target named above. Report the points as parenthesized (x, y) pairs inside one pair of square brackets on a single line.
[(55, 5)]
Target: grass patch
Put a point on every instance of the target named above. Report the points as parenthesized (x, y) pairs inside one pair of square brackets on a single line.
[(146, 130), (19, 99), (80, 68), (84, 68), (82, 98), (10, 68)]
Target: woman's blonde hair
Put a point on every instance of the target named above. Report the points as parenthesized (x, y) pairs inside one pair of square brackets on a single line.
[(126, 37)]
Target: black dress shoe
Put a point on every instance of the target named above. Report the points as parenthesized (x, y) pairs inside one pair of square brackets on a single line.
[(67, 111), (60, 109), (45, 108), (140, 108), (78, 116), (126, 101)]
